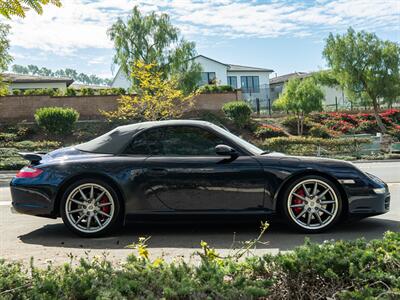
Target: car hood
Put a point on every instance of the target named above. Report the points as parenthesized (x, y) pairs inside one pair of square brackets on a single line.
[(309, 160)]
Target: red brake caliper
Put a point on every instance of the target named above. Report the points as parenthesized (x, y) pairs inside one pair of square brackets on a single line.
[(106, 209), (297, 200)]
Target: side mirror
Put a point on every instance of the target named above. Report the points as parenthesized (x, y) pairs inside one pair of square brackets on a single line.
[(225, 150)]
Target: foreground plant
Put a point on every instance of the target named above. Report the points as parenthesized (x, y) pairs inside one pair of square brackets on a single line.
[(333, 270)]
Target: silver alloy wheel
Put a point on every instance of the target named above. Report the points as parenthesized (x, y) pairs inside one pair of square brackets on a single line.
[(89, 208), (312, 204)]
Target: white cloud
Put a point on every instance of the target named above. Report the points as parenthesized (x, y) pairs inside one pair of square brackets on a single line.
[(83, 24)]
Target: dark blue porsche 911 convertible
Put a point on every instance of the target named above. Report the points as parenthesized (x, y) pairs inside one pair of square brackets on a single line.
[(189, 168)]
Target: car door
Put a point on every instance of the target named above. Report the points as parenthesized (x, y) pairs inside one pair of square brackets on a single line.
[(186, 174)]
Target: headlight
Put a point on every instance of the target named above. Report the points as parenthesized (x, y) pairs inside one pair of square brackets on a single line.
[(380, 190), (374, 178)]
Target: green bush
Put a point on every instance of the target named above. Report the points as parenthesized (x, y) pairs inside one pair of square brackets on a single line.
[(86, 92), (238, 111), (291, 124), (333, 270), (8, 137), (310, 146), (268, 131), (321, 131), (212, 88), (56, 120)]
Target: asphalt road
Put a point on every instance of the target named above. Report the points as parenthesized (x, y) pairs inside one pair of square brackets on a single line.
[(22, 237)]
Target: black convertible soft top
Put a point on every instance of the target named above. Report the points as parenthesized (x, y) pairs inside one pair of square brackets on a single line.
[(116, 140)]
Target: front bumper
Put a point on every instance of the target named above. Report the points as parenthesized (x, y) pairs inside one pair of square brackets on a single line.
[(370, 205)]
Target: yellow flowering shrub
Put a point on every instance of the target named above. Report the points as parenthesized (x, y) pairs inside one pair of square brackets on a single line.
[(155, 98)]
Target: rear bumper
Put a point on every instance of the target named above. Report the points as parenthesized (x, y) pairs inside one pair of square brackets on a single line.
[(31, 201)]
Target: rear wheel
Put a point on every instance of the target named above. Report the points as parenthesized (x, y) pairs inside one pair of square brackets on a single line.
[(312, 204), (90, 208)]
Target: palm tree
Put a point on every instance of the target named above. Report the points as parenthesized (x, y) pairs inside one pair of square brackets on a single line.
[(9, 8)]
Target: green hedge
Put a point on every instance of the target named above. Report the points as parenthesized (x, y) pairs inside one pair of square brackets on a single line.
[(212, 88), (298, 145), (238, 111), (70, 92), (56, 120), (332, 270)]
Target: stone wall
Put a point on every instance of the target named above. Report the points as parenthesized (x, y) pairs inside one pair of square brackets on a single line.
[(19, 108)]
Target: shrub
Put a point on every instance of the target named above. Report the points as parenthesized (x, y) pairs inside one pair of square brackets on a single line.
[(343, 127), (70, 92), (291, 124), (86, 92), (367, 126), (8, 137), (56, 120), (395, 132), (17, 92), (310, 145), (268, 131), (212, 88), (357, 270), (238, 111), (321, 131)]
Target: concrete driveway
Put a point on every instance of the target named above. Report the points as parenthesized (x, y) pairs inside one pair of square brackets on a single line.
[(24, 236)]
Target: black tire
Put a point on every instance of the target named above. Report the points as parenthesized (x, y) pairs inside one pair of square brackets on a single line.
[(115, 220), (299, 219)]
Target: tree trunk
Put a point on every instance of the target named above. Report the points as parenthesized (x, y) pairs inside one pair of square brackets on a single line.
[(298, 125), (381, 126)]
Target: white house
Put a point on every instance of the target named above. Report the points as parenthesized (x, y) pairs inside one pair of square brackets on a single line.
[(29, 82), (254, 82), (334, 97)]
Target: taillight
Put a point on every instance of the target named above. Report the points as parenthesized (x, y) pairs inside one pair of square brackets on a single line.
[(29, 172)]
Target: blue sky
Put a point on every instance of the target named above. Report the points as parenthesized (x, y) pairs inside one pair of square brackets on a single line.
[(284, 35)]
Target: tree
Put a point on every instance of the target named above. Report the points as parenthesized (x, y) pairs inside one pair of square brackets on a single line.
[(153, 39), (81, 77), (156, 98), (5, 58), (365, 67), (9, 8), (301, 97)]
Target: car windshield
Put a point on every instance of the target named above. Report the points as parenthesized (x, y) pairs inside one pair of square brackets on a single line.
[(248, 146)]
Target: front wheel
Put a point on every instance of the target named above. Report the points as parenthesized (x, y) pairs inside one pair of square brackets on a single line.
[(90, 208), (312, 204)]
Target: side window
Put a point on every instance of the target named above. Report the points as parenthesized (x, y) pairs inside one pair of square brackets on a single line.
[(147, 143), (189, 141)]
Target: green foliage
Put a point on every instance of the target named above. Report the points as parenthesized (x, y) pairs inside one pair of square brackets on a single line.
[(365, 66), (238, 111), (5, 57), (212, 88), (156, 99), (301, 97), (267, 131), (357, 270), (70, 92), (321, 131), (291, 124), (11, 160), (9, 8), (309, 145), (56, 120), (70, 73), (152, 39)]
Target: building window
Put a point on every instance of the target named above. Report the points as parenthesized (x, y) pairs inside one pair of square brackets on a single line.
[(232, 81), (250, 84), (208, 78)]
